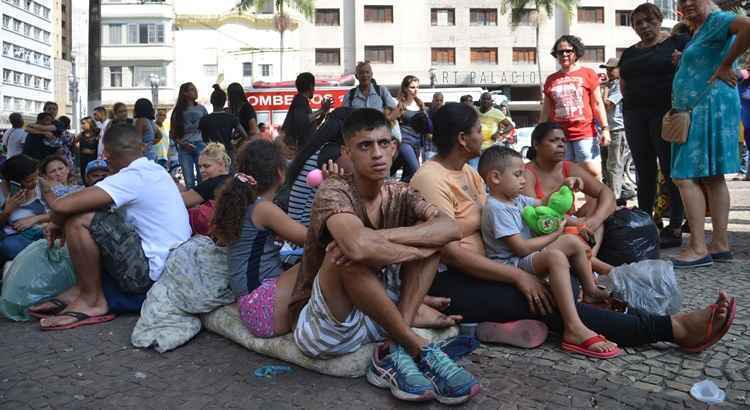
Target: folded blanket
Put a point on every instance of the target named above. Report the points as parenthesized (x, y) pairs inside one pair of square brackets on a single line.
[(194, 281), (226, 322)]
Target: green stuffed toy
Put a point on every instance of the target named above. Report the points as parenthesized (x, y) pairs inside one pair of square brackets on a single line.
[(544, 220)]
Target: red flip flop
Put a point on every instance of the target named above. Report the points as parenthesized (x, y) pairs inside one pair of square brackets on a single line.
[(81, 319), (583, 348), (712, 339), (520, 333)]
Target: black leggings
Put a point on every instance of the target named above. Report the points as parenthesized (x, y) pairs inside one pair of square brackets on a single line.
[(479, 300), (643, 132)]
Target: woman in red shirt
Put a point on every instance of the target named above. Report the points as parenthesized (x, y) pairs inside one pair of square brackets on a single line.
[(572, 99)]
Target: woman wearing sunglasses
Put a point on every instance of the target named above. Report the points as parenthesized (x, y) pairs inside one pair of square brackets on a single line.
[(572, 99)]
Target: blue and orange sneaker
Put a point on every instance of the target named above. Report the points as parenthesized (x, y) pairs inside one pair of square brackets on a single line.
[(451, 382), (396, 370)]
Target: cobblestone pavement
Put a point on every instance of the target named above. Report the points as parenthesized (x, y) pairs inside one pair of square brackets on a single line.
[(95, 367)]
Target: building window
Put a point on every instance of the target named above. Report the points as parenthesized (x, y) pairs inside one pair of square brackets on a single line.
[(115, 76), (591, 14), (6, 21), (525, 17), (142, 75), (17, 77), (443, 17), (444, 56), (379, 54), (6, 75), (266, 70), (524, 55), (16, 25), (327, 56), (622, 17), (115, 33), (46, 84), (247, 69), (619, 51), (593, 54), (379, 14), (146, 33), (327, 17), (484, 56), (483, 17), (7, 103)]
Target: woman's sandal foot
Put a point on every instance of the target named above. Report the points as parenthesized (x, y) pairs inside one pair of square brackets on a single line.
[(719, 318)]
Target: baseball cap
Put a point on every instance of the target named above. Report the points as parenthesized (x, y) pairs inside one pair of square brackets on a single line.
[(98, 164), (611, 63)]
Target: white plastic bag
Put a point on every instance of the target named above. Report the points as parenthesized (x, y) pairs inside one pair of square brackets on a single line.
[(648, 285)]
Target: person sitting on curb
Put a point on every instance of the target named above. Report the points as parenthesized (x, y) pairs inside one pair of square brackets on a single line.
[(347, 293), (117, 227)]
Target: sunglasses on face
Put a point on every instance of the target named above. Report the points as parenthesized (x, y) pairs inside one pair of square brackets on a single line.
[(565, 51)]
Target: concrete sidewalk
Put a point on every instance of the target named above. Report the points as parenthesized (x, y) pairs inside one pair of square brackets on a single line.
[(95, 367)]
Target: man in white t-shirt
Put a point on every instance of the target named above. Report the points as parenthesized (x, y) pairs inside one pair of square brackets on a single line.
[(124, 227)]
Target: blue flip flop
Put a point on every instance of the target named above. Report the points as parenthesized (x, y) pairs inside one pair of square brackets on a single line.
[(723, 257), (698, 263)]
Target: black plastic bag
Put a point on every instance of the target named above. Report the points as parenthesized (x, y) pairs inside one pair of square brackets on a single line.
[(630, 235)]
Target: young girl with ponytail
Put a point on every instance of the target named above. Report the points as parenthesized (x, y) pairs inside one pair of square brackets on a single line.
[(253, 228)]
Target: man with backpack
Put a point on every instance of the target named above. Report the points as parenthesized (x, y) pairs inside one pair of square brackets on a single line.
[(368, 94)]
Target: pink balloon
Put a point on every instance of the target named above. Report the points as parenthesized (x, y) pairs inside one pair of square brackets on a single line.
[(315, 178)]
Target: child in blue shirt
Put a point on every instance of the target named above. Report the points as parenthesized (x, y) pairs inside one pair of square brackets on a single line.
[(508, 240)]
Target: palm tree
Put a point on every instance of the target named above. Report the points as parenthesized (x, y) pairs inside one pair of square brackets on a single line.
[(306, 7), (518, 7), (94, 87)]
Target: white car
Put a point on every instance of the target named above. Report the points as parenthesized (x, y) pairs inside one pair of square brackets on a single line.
[(523, 140)]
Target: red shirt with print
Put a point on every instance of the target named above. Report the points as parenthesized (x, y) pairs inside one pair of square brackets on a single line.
[(570, 95)]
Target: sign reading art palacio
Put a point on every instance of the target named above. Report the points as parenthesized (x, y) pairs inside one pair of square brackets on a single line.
[(501, 77)]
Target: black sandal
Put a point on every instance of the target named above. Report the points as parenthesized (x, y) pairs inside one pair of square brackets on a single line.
[(54, 311)]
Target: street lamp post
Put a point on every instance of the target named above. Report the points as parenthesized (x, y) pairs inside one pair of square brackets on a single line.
[(155, 90), (73, 89)]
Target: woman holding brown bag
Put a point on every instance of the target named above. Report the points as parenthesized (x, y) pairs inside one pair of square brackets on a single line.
[(705, 83)]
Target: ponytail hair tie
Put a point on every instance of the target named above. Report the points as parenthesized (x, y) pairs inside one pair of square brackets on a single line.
[(245, 179)]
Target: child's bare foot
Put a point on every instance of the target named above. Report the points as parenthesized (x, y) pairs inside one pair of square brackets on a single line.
[(584, 341), (596, 295), (429, 318)]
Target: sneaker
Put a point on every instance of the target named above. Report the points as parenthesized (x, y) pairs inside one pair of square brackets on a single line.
[(395, 369), (451, 382)]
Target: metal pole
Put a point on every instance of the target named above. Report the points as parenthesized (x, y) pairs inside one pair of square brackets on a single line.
[(74, 94)]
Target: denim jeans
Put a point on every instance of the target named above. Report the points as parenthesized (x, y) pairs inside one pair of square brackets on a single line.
[(189, 163), (409, 155), (12, 245)]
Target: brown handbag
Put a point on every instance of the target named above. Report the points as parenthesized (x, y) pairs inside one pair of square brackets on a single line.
[(675, 126)]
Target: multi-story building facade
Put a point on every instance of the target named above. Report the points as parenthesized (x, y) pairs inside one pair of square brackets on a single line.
[(473, 43), (460, 44), (217, 44), (62, 53), (26, 61), (137, 49)]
